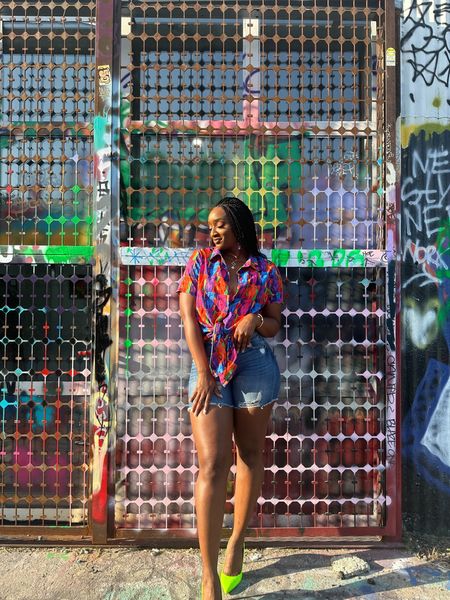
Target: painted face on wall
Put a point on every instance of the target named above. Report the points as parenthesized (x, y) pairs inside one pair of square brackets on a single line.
[(220, 231)]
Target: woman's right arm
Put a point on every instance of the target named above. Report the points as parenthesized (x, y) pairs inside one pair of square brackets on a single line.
[(206, 384)]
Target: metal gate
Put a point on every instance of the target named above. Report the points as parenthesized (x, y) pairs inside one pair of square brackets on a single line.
[(46, 103), (282, 105)]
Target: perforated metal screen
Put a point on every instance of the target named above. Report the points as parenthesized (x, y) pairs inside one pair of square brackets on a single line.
[(283, 106), (46, 335), (46, 153), (46, 106), (325, 450)]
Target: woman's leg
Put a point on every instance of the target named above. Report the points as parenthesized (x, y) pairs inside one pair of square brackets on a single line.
[(212, 435), (250, 427)]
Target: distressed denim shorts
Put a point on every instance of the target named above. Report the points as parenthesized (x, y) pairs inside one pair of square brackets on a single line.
[(256, 381)]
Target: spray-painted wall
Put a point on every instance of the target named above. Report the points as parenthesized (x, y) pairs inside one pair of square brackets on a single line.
[(425, 213)]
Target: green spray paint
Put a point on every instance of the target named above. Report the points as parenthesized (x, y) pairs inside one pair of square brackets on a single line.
[(270, 168), (62, 254), (315, 258), (280, 257), (100, 125), (443, 274)]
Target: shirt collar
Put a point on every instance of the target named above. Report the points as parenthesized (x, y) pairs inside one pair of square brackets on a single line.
[(252, 261)]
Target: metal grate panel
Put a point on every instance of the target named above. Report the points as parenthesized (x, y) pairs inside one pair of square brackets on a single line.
[(46, 186), (325, 451), (46, 107), (283, 106), (44, 385), (275, 104)]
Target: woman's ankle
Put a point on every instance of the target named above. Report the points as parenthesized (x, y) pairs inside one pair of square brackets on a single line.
[(211, 586), (209, 575), (235, 541)]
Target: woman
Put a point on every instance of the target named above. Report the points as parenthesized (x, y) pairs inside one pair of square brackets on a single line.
[(230, 300)]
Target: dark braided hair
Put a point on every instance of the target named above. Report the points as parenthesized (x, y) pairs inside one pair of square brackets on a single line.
[(242, 224)]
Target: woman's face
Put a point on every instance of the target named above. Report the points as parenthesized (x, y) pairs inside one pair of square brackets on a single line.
[(222, 235)]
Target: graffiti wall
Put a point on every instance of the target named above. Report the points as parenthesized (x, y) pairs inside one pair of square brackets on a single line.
[(425, 253)]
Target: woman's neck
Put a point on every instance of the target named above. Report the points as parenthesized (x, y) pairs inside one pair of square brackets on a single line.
[(236, 254)]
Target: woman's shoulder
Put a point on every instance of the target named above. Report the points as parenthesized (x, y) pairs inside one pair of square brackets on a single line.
[(265, 264)]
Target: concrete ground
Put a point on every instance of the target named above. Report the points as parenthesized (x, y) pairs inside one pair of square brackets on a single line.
[(270, 574)]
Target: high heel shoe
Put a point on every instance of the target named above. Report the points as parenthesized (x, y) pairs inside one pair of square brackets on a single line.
[(230, 582)]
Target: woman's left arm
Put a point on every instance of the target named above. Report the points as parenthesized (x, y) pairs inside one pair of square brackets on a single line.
[(271, 314), (270, 323)]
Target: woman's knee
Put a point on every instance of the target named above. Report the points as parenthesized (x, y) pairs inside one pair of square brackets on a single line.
[(251, 456), (214, 468)]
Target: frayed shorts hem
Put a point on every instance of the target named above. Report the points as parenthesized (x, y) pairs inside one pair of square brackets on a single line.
[(222, 405)]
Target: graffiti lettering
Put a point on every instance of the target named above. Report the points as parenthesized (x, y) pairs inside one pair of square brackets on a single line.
[(427, 257), (425, 192), (388, 143), (391, 393), (103, 219), (103, 187), (424, 42), (391, 387), (391, 432), (281, 257), (346, 167)]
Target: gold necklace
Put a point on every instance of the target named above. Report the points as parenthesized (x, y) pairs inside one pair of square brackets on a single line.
[(233, 263)]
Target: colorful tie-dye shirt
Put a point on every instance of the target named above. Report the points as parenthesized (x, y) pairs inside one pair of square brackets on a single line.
[(207, 278)]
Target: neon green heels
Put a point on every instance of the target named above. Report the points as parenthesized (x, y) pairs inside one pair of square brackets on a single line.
[(229, 582)]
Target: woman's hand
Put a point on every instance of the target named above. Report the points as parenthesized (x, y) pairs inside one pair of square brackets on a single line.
[(244, 330), (205, 388)]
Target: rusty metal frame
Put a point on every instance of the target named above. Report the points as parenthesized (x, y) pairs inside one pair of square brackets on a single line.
[(393, 528), (19, 252)]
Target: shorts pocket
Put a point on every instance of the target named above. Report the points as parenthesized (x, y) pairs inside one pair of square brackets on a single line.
[(258, 341)]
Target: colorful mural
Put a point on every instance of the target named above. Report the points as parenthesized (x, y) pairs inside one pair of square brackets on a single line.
[(425, 202)]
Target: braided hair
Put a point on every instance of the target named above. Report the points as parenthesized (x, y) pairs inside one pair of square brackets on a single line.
[(242, 224)]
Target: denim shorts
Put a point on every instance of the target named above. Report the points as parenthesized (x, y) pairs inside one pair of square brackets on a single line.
[(256, 381)]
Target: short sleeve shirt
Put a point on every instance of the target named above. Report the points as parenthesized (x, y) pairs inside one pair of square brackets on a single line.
[(206, 277)]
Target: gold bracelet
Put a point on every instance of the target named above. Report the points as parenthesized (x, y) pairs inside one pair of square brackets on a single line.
[(261, 321)]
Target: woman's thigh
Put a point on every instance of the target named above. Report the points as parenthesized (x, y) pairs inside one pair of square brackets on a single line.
[(213, 437), (250, 428)]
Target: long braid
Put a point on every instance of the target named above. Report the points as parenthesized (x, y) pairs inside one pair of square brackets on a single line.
[(242, 223)]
